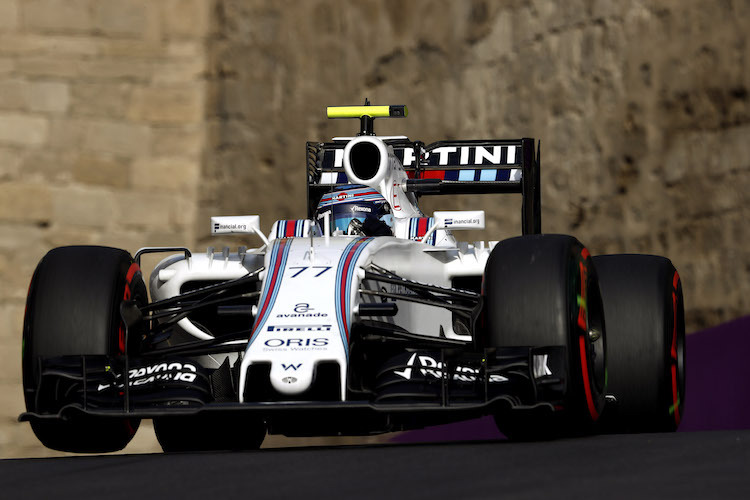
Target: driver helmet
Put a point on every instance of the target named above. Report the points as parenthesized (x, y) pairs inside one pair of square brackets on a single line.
[(355, 210)]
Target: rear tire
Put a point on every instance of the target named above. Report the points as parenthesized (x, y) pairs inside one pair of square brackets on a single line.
[(542, 290), (646, 334), (73, 309)]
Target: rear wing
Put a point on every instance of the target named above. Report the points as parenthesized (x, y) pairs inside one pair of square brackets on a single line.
[(444, 167)]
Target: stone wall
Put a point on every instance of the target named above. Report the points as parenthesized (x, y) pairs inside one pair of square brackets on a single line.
[(102, 130), (130, 122)]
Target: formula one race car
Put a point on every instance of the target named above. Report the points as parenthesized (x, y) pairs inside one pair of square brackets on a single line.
[(365, 317)]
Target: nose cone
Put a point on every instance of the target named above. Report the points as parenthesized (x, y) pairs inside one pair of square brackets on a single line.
[(290, 377)]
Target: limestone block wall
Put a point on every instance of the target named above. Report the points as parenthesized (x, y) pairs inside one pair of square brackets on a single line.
[(102, 107)]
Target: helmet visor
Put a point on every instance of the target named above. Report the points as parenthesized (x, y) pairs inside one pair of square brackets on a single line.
[(343, 221)]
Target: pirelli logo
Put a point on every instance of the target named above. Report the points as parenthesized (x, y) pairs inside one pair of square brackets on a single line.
[(299, 328)]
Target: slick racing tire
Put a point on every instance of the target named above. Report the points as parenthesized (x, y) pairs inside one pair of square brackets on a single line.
[(73, 309), (214, 432), (542, 290), (645, 314)]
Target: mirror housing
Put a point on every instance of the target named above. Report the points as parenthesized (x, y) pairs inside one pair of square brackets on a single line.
[(238, 224), (456, 221)]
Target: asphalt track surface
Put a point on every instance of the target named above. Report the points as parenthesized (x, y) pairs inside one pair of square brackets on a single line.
[(680, 465), (711, 460)]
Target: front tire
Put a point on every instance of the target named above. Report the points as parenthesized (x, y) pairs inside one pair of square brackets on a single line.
[(73, 309), (542, 290)]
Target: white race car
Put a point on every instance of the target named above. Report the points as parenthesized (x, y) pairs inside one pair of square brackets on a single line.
[(365, 317)]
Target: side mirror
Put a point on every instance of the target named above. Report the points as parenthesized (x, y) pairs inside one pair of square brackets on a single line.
[(456, 220), (241, 224)]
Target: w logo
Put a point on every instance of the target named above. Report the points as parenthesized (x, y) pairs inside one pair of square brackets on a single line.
[(293, 367)]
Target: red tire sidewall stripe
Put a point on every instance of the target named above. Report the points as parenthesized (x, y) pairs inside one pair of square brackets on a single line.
[(131, 425), (583, 324), (586, 381), (127, 294)]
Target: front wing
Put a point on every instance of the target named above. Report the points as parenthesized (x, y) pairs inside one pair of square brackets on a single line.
[(412, 389)]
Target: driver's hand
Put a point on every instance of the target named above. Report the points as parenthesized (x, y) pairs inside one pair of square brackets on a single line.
[(355, 228)]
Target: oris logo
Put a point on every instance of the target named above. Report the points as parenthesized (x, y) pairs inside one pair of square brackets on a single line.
[(318, 342)]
